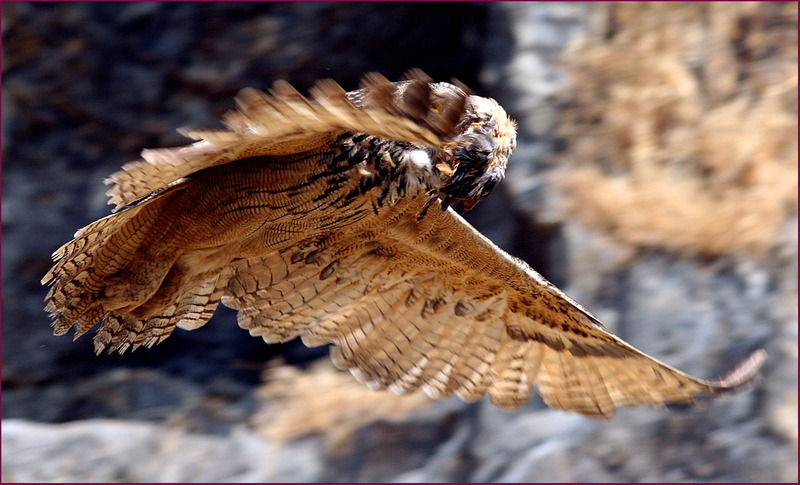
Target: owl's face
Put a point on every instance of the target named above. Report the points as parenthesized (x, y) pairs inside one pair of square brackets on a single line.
[(478, 135), (475, 159)]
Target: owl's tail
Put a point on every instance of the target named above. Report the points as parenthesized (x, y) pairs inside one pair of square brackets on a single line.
[(192, 308), (85, 266), (122, 270)]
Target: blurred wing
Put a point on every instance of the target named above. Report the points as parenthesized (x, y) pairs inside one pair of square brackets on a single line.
[(285, 122), (434, 304)]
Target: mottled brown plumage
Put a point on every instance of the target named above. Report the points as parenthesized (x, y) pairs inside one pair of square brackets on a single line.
[(327, 219)]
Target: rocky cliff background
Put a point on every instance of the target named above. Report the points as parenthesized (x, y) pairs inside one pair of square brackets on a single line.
[(655, 182)]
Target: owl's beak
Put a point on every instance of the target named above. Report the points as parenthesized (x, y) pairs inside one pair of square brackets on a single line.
[(474, 162), (472, 170)]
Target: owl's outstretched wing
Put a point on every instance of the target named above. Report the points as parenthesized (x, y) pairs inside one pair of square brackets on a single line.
[(432, 303), (285, 122)]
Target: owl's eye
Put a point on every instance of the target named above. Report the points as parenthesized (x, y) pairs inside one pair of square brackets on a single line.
[(436, 106)]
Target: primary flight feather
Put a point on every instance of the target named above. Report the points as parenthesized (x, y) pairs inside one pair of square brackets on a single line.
[(327, 218)]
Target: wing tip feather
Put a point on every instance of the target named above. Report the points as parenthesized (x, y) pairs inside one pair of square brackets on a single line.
[(743, 375)]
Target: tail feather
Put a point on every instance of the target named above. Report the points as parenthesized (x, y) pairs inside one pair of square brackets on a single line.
[(88, 320), (116, 333), (83, 266), (198, 304), (75, 255), (192, 310), (131, 329)]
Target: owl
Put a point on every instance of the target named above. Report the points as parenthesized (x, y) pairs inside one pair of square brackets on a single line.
[(328, 218)]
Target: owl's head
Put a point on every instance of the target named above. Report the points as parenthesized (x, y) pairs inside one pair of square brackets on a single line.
[(474, 135), (475, 159)]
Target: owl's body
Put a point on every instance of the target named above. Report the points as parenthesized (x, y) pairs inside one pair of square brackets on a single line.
[(328, 219)]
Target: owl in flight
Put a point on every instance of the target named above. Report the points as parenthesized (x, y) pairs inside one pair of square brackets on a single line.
[(327, 218)]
